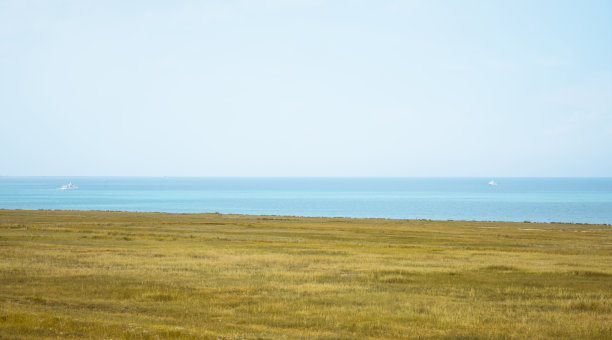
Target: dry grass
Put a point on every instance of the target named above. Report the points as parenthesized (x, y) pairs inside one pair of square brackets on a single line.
[(100, 275)]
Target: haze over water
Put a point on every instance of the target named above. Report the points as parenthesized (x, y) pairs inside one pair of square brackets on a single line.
[(576, 200)]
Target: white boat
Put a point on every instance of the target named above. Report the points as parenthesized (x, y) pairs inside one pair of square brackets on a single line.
[(492, 183), (69, 186)]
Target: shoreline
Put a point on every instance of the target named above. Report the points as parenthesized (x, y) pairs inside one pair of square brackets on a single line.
[(306, 217)]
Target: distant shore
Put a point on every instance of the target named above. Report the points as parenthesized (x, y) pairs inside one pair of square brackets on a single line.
[(295, 217)]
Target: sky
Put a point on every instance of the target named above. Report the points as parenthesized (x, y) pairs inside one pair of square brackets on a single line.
[(306, 88)]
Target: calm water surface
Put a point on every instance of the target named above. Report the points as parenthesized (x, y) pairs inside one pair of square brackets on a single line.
[(580, 200)]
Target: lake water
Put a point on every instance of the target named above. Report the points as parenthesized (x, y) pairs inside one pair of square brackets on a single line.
[(578, 200)]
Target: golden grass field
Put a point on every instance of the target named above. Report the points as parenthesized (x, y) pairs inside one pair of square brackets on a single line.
[(120, 275)]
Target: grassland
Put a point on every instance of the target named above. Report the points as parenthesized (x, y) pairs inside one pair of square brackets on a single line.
[(101, 275)]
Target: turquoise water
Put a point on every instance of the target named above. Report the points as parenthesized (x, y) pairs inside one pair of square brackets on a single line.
[(578, 200)]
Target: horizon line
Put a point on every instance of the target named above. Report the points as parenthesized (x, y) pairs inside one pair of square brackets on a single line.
[(288, 177)]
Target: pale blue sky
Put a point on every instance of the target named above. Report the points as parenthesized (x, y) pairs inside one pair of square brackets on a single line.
[(306, 88)]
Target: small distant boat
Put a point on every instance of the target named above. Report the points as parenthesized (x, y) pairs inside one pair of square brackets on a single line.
[(69, 186), (492, 183)]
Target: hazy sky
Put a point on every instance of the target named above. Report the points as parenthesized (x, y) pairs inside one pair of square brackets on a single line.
[(306, 88)]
